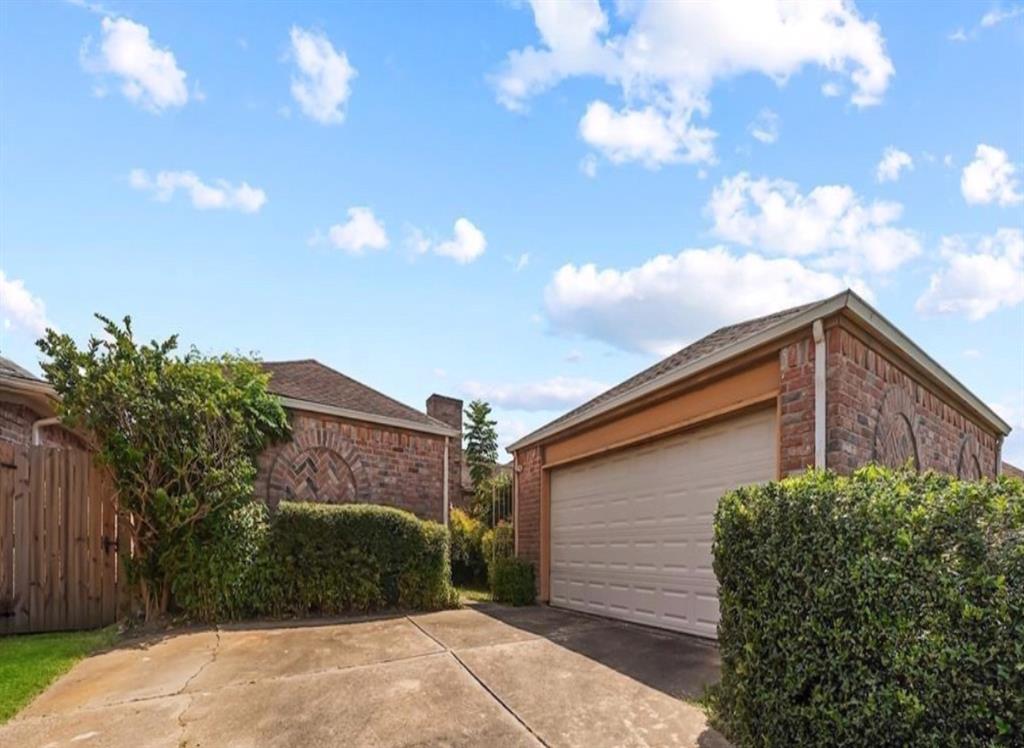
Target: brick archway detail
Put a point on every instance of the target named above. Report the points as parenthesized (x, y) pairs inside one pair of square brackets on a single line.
[(318, 465), (968, 464), (895, 438)]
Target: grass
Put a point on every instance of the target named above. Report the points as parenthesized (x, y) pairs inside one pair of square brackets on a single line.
[(479, 594), (30, 662)]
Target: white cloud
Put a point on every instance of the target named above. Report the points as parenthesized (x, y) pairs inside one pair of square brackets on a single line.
[(893, 162), (765, 126), (149, 75), (19, 308), (440, 373), (466, 245), (830, 224), (669, 56), (521, 262), (977, 280), (971, 353), (360, 232), (323, 83), (557, 393), (990, 178), (588, 165), (997, 16), (221, 195), (1011, 409), (831, 89), (668, 301)]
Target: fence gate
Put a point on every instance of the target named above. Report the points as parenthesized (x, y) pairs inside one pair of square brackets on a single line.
[(58, 540)]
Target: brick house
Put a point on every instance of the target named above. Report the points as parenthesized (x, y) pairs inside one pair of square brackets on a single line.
[(28, 412), (351, 443), (615, 500)]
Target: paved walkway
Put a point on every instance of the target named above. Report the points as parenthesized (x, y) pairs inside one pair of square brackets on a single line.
[(483, 675)]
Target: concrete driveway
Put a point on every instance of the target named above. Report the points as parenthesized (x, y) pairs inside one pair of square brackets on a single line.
[(482, 675)]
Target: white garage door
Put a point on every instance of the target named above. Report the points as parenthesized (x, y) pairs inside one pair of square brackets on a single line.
[(631, 533)]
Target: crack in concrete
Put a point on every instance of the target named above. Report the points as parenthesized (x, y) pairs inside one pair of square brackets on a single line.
[(213, 659)]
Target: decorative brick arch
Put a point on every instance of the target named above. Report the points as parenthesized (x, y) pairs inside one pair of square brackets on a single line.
[(317, 465), (895, 439), (968, 464)]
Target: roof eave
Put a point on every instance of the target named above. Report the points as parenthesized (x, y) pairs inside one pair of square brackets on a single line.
[(358, 415), (825, 308)]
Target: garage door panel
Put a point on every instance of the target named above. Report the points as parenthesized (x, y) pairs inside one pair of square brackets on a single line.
[(631, 535)]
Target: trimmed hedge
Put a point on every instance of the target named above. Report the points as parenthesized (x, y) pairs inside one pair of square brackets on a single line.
[(318, 559), (886, 608), (512, 581)]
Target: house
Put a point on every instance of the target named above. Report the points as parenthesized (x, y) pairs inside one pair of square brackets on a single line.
[(468, 494), (28, 410), (351, 443), (615, 500)]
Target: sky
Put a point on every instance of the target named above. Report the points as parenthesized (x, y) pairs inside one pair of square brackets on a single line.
[(524, 202)]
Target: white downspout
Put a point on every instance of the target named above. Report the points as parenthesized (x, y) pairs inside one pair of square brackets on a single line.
[(37, 437), (444, 511), (818, 331), (515, 503)]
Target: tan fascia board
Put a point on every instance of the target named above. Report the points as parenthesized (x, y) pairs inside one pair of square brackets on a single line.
[(868, 316), (39, 392), (356, 415)]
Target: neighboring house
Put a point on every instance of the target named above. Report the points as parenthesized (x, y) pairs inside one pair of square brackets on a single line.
[(615, 500), (28, 410), (499, 468), (351, 443)]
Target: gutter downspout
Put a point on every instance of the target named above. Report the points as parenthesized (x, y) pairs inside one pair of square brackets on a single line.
[(818, 331), (444, 511), (515, 503), (37, 438)]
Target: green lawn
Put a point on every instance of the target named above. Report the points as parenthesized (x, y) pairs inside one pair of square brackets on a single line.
[(30, 662), (477, 594)]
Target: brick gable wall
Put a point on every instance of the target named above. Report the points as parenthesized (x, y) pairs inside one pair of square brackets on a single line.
[(879, 412), (336, 460), (16, 422), (796, 406), (528, 481)]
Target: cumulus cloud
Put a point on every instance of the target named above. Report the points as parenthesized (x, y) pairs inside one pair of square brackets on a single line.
[(557, 393), (893, 163), (220, 195), (668, 57), (765, 127), (978, 276), (467, 243), (990, 178), (670, 300), (21, 310), (149, 75), (322, 84), (362, 231)]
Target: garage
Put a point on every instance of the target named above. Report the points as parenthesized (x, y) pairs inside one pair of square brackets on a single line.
[(631, 532)]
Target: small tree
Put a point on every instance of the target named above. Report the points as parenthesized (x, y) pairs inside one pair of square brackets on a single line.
[(481, 442), (179, 434)]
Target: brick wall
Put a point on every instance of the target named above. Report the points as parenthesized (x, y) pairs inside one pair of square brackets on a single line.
[(527, 480), (336, 460), (16, 422), (448, 410), (878, 412), (796, 406)]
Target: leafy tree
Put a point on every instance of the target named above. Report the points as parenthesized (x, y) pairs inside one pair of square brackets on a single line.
[(481, 450), (179, 434)]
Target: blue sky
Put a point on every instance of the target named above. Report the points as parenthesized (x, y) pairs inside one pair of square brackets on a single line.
[(525, 203)]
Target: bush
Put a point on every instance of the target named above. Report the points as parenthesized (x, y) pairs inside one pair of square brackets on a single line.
[(318, 559), (497, 543), (886, 608), (468, 564), (513, 582)]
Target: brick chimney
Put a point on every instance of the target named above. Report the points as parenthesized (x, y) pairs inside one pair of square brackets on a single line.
[(448, 410)]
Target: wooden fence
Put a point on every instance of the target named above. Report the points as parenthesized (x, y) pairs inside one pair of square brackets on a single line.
[(58, 541)]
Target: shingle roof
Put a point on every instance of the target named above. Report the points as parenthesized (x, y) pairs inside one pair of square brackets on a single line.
[(312, 381), (707, 345), (10, 369)]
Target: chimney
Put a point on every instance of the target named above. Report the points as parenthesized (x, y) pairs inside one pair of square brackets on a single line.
[(448, 410)]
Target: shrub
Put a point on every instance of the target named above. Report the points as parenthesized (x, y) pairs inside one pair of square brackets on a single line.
[(318, 559), (468, 564), (886, 608), (513, 581), (497, 543)]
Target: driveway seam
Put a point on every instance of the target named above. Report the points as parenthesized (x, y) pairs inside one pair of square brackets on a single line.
[(483, 685)]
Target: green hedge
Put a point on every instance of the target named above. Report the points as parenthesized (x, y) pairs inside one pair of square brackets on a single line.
[(886, 608), (468, 563), (317, 559), (512, 581)]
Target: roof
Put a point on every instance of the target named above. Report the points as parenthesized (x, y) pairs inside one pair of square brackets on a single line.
[(1012, 470), (310, 385), (10, 369), (734, 340)]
